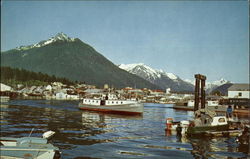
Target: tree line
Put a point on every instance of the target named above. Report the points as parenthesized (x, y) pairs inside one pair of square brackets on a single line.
[(14, 76)]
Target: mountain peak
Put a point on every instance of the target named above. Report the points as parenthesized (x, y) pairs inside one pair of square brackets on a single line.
[(62, 36), (221, 81), (151, 73), (58, 37)]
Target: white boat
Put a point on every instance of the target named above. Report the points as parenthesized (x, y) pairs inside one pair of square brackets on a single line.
[(28, 147), (111, 104), (214, 105)]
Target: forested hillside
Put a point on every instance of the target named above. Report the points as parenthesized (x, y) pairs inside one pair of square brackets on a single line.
[(14, 76)]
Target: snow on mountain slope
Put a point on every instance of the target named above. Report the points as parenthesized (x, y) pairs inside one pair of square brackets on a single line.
[(219, 82), (190, 81), (59, 37), (150, 72), (171, 76), (141, 70), (158, 77), (210, 86)]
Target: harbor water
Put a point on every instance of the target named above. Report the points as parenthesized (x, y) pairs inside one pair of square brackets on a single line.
[(83, 134)]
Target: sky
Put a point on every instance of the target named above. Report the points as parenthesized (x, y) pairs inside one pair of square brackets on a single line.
[(181, 37)]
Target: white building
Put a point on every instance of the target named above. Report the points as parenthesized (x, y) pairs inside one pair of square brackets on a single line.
[(4, 88), (239, 91), (168, 91), (48, 88), (65, 96)]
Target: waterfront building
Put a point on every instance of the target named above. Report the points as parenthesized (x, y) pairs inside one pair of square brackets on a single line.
[(239, 96), (4, 88), (239, 91)]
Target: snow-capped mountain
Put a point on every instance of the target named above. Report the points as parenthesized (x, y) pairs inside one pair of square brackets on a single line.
[(217, 83), (210, 86), (59, 37), (146, 71), (158, 77)]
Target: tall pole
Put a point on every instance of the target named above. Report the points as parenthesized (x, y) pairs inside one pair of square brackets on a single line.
[(197, 92), (203, 93), (200, 92)]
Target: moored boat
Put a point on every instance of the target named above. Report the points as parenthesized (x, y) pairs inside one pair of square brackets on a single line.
[(217, 123), (111, 104), (28, 147)]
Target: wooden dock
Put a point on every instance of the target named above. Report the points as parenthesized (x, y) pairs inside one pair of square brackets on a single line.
[(191, 108)]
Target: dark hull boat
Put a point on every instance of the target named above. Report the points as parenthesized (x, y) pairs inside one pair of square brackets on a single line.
[(205, 130)]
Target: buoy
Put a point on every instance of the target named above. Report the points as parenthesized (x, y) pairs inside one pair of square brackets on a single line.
[(169, 122)]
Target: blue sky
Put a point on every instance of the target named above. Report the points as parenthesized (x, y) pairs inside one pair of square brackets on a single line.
[(182, 37)]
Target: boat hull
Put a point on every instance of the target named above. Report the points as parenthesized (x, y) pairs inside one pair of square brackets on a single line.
[(232, 133), (128, 109), (202, 130)]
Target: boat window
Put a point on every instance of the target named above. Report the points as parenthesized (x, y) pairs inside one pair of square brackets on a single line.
[(121, 102), (116, 102), (112, 102), (97, 101), (222, 120)]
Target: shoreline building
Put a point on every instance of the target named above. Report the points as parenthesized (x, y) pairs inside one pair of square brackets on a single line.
[(239, 95)]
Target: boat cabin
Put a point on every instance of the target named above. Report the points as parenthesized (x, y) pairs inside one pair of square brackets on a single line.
[(219, 120)]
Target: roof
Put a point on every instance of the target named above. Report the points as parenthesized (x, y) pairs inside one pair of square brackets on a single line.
[(5, 87), (93, 91), (239, 87)]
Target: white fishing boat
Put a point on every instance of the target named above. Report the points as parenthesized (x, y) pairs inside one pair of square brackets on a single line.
[(111, 104)]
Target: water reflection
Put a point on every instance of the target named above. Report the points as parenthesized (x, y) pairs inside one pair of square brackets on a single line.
[(222, 148)]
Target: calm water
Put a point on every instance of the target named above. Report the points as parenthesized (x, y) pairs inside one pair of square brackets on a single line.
[(83, 134)]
